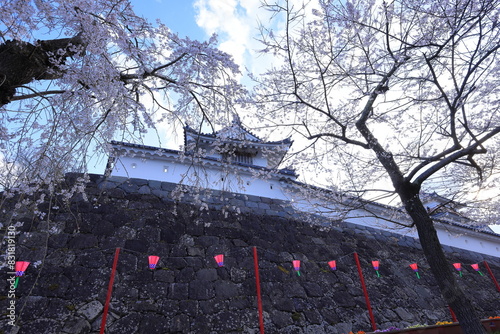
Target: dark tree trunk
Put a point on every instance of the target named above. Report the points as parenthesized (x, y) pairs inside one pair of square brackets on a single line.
[(22, 63), (440, 267)]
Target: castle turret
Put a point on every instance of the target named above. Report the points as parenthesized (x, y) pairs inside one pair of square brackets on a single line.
[(231, 159)]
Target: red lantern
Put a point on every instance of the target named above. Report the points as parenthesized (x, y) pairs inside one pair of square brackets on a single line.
[(153, 261), (296, 266), (219, 259), (414, 266), (375, 265), (333, 265), (21, 267), (475, 266)]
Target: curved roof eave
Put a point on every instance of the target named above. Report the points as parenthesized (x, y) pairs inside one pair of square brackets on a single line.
[(210, 137)]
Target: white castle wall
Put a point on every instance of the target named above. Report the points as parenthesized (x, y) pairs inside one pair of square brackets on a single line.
[(209, 176)]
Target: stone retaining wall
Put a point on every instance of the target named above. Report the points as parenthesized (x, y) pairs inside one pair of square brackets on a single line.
[(72, 249)]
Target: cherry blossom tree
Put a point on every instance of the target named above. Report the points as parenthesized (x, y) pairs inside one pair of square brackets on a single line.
[(75, 74), (405, 91)]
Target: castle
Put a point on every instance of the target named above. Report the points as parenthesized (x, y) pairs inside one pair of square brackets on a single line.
[(70, 244), (235, 160)]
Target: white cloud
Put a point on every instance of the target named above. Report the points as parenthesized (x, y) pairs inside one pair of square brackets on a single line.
[(236, 23)]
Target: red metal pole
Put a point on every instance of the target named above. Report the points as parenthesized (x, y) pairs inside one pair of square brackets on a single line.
[(491, 275), (110, 288), (453, 316), (365, 291), (257, 283)]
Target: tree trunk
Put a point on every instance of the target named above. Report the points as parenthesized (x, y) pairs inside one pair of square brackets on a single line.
[(22, 62), (440, 267)]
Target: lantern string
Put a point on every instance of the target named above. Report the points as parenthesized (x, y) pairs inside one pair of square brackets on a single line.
[(245, 250)]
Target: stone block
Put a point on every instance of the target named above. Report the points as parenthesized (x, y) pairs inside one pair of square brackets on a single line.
[(241, 303), (103, 228), (145, 190), (201, 290), (61, 258), (180, 324), (206, 241), (153, 184), (82, 241), (238, 275), (33, 239), (136, 245), (207, 274), (281, 319), (404, 315), (154, 324), (115, 192), (126, 324), (88, 260), (226, 290), (166, 276), (211, 306), (91, 310), (313, 290), (178, 291), (189, 307), (160, 193), (250, 204), (294, 289)]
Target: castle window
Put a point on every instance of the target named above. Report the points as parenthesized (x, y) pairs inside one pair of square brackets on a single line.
[(239, 157), (244, 159)]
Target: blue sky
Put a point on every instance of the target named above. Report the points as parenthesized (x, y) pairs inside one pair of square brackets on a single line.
[(234, 21), (178, 15)]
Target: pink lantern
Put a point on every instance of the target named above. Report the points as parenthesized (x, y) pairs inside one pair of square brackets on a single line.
[(375, 265), (21, 267), (219, 259), (458, 266), (475, 266), (333, 265), (153, 261), (296, 266), (414, 266)]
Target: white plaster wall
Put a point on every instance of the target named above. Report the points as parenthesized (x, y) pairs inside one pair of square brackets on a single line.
[(199, 176), (450, 236), (469, 241)]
